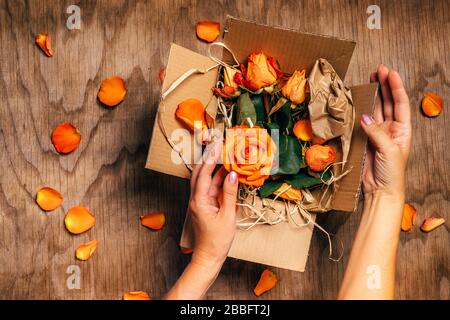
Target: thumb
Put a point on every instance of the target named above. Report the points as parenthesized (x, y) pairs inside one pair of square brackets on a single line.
[(380, 140), (230, 188)]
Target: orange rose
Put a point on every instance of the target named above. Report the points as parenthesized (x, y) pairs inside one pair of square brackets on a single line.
[(319, 157), (294, 89), (249, 152), (261, 71)]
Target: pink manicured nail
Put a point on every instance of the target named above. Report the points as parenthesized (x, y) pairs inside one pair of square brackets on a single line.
[(367, 119), (233, 177)]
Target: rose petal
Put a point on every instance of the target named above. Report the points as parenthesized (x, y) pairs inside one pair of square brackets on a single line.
[(85, 251), (191, 112), (431, 223), (48, 199), (319, 157), (161, 75), (66, 138), (432, 104), (292, 194), (154, 220), (207, 30), (409, 217), (112, 91), (136, 295), (43, 41), (267, 281), (79, 220), (303, 130)]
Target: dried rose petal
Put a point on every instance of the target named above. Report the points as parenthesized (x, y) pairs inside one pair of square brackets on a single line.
[(66, 138), (86, 250), (43, 41), (409, 217), (136, 295), (191, 112), (154, 220), (267, 281), (112, 91), (48, 199), (431, 104), (431, 223), (161, 75), (207, 30), (79, 220)]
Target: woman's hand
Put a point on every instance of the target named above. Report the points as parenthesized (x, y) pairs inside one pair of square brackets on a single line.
[(212, 207), (389, 132)]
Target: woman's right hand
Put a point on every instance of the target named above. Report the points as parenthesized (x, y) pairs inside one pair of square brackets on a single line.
[(389, 133)]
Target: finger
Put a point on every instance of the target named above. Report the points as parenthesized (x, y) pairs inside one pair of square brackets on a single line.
[(194, 175), (210, 158), (378, 109), (373, 77), (379, 139), (388, 104), (230, 189), (402, 110), (217, 182)]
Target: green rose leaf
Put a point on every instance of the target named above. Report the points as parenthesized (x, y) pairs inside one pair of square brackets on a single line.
[(246, 109), (304, 180), (258, 102), (283, 117), (269, 187), (289, 155)]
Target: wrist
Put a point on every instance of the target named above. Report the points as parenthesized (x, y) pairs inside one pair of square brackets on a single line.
[(206, 261)]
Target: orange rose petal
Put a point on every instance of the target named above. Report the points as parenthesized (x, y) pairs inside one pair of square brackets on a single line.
[(43, 41), (136, 295), (409, 217), (207, 30), (303, 130), (154, 220), (186, 250), (319, 157), (48, 199), (161, 75), (112, 91), (85, 251), (189, 111), (267, 281), (66, 138), (431, 223), (432, 104), (79, 220)]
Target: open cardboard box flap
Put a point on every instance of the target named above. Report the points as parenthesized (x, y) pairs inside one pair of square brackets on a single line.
[(282, 245)]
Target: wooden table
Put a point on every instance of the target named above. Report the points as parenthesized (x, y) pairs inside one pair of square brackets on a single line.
[(106, 173)]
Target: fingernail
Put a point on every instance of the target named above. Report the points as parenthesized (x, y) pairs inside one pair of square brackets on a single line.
[(367, 119), (233, 177)]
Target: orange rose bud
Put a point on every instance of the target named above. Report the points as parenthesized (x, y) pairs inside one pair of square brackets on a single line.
[(161, 75), (43, 41), (79, 220), (207, 30), (228, 77), (85, 251), (112, 91), (409, 217), (66, 138), (136, 295), (154, 220), (294, 89), (432, 104), (261, 71), (267, 281), (191, 112), (319, 157), (250, 153), (186, 250), (303, 130), (48, 199), (431, 223)]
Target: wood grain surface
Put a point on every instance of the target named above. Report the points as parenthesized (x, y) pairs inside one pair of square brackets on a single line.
[(106, 173)]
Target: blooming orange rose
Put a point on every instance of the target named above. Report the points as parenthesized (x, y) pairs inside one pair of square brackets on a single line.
[(319, 157), (261, 71), (249, 152), (294, 89)]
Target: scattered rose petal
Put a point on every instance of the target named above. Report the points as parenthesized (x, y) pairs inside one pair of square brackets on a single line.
[(85, 251), (207, 30), (431, 223), (136, 295), (66, 138), (154, 220), (79, 220), (43, 41), (409, 217), (303, 130), (267, 281), (162, 74), (186, 250), (292, 194), (431, 104), (112, 91), (319, 157), (48, 199), (191, 113)]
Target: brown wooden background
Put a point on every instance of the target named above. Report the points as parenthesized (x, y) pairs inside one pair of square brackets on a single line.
[(106, 173)]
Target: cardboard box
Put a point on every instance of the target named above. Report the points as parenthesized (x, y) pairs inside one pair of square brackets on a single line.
[(281, 245)]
